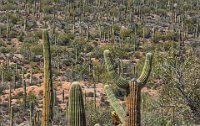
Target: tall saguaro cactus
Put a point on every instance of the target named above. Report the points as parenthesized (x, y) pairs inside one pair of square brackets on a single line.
[(47, 111), (132, 87), (76, 111)]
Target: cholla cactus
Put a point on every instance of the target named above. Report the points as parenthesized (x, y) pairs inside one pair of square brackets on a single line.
[(132, 87), (76, 111)]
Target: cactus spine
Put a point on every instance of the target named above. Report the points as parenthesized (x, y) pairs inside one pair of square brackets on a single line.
[(76, 111), (47, 110), (133, 88)]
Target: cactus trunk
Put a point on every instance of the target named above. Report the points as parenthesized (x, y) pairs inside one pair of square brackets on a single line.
[(11, 116), (10, 96), (133, 100), (31, 113), (47, 111), (24, 84)]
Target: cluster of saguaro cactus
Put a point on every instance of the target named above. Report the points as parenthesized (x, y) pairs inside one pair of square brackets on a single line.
[(47, 112), (76, 111), (133, 89)]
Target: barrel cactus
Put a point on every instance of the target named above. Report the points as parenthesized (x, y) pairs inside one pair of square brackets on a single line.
[(76, 111), (133, 88)]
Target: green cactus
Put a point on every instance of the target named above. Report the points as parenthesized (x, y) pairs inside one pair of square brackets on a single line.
[(14, 81), (10, 96), (11, 116), (47, 110), (114, 102), (25, 94), (54, 97), (31, 113), (2, 77), (95, 99), (34, 120), (63, 96), (76, 111), (37, 116), (31, 77), (132, 87)]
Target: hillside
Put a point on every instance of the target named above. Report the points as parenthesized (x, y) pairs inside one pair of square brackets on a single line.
[(134, 62)]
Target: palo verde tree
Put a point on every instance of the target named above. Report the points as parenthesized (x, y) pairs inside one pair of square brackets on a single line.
[(180, 78)]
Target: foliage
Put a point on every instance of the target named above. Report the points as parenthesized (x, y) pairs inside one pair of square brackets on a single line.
[(101, 115), (179, 82)]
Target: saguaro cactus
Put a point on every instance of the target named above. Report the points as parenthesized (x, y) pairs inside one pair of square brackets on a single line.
[(11, 116), (31, 113), (47, 111), (25, 94), (10, 96), (76, 111), (31, 76), (132, 87)]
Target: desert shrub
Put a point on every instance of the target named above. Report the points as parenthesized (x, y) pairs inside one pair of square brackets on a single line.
[(29, 40), (7, 49), (59, 117), (101, 115), (32, 98), (2, 43), (8, 6), (13, 18)]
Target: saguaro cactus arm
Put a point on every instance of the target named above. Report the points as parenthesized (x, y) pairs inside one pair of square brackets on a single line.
[(146, 70), (114, 102), (120, 81)]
